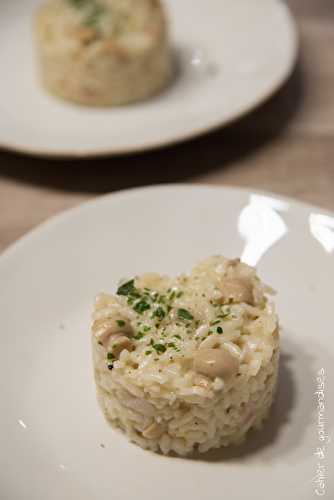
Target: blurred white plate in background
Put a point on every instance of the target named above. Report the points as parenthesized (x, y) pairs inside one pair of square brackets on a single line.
[(233, 55), (51, 429)]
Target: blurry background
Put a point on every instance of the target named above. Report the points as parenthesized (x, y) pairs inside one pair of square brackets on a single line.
[(286, 146)]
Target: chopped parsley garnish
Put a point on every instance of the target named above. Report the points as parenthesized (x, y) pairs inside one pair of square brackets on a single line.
[(161, 299), (159, 348), (148, 352), (139, 335), (127, 288), (173, 346), (215, 322), (110, 356), (184, 314), (179, 294), (159, 313), (219, 329), (141, 306), (177, 336), (146, 328), (120, 323)]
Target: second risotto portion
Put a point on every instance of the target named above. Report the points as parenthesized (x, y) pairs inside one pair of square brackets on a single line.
[(173, 343)]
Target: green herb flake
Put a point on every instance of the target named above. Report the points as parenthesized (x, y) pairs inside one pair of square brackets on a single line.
[(148, 352), (179, 294), (159, 348), (127, 288), (161, 299), (177, 336), (141, 306), (110, 355), (215, 322), (139, 336), (146, 328), (184, 314), (159, 313), (120, 322)]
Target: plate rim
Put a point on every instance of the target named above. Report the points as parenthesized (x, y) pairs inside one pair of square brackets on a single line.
[(61, 216), (76, 154)]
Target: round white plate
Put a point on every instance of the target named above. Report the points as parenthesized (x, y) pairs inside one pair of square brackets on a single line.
[(232, 54), (55, 444)]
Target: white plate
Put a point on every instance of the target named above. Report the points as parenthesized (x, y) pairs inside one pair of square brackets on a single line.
[(246, 50), (51, 429)]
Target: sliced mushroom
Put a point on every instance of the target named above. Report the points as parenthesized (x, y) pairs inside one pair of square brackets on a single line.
[(237, 290), (153, 431), (216, 363)]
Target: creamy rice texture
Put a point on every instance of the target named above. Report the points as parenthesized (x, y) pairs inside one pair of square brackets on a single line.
[(103, 52), (188, 363)]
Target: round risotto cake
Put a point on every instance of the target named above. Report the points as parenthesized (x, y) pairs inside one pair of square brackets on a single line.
[(103, 52), (189, 363)]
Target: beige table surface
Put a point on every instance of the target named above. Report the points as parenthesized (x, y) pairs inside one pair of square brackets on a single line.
[(287, 146)]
